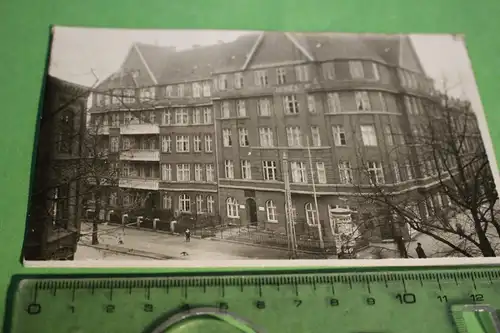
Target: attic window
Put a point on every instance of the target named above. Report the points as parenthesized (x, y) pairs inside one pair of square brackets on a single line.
[(318, 45), (233, 57)]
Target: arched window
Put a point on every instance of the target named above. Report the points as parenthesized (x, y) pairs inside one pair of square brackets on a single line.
[(167, 201), (184, 203), (232, 208), (310, 214), (272, 216), (199, 204)]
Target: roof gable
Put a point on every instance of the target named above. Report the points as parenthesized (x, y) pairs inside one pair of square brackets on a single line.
[(408, 56), (275, 48)]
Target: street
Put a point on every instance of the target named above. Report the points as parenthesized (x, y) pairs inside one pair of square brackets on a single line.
[(161, 244)]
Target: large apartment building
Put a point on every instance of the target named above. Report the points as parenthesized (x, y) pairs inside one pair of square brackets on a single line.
[(215, 129)]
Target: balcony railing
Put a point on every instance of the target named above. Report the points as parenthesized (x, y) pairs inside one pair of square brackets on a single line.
[(140, 155), (131, 129), (139, 183)]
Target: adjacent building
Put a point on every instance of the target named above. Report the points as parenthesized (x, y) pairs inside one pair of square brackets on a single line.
[(215, 130), (55, 207)]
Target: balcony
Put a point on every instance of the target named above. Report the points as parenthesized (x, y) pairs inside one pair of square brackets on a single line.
[(140, 155), (139, 183), (132, 129)]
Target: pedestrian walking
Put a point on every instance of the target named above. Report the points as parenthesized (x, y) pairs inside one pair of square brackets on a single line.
[(187, 233), (420, 251)]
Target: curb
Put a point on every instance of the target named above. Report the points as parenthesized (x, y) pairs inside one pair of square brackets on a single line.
[(131, 252)]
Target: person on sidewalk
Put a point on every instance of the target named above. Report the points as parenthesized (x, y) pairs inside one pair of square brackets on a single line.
[(420, 251), (187, 233)]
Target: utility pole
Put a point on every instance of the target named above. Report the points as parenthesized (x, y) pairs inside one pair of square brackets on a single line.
[(320, 232), (290, 218)]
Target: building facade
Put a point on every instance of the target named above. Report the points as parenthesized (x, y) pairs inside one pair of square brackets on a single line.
[(55, 208), (222, 129)]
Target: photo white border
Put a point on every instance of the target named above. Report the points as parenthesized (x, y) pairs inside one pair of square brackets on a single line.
[(314, 263)]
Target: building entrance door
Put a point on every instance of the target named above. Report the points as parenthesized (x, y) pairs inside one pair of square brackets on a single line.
[(252, 212)]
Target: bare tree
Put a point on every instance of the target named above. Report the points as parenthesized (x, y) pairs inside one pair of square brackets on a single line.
[(447, 193)]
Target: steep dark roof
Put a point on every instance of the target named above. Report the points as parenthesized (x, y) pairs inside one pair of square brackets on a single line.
[(200, 62), (329, 46), (170, 66)]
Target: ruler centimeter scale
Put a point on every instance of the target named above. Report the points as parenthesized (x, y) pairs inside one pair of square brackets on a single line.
[(451, 299)]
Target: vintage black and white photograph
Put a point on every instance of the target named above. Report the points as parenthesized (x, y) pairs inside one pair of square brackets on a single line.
[(203, 145)]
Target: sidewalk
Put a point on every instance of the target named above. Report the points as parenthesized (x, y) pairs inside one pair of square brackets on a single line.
[(166, 246)]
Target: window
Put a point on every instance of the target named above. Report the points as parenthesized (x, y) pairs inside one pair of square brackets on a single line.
[(126, 143), (388, 135), (180, 90), (339, 137), (271, 213), (241, 108), (226, 137), (375, 172), (329, 70), (246, 170), (126, 172), (264, 107), (115, 144), (261, 79), (166, 172), (208, 143), (207, 115), (238, 80), (143, 116), (184, 203), (209, 172), (197, 143), (269, 170), (206, 89), (299, 174), (169, 91), (266, 137), (311, 104), (356, 69), (397, 172), (181, 117), (320, 169), (243, 134), (376, 72), (223, 84), (316, 137), (408, 104), (311, 216), (383, 103), (166, 144), (333, 101), (183, 173), (281, 75), (198, 172), (128, 96), (368, 135), (167, 118), (225, 112), (210, 204), (167, 201), (199, 204), (294, 136), (302, 73), (182, 143), (229, 169), (362, 101), (115, 120), (232, 208), (197, 89), (196, 116), (291, 104), (439, 200), (345, 172), (152, 117)]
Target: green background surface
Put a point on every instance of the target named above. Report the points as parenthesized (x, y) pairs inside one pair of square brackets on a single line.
[(24, 33)]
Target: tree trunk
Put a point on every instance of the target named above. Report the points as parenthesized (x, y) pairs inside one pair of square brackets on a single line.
[(95, 227), (95, 240)]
